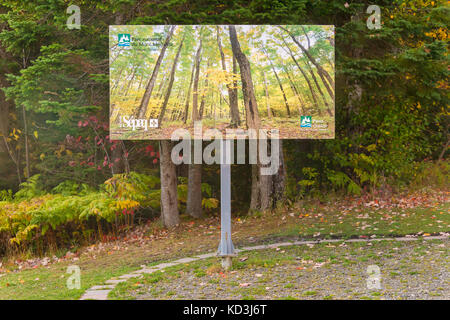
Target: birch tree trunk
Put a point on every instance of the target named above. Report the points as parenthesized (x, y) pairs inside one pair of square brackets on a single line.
[(188, 96), (169, 89), (311, 58), (142, 110), (269, 112), (195, 113), (288, 110), (313, 94)]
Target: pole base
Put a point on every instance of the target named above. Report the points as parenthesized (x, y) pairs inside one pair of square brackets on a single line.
[(226, 247), (227, 263)]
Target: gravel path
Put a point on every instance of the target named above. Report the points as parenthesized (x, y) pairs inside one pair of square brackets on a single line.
[(306, 270), (408, 270)]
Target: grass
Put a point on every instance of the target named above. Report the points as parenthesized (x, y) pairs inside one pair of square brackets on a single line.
[(398, 222), (304, 221), (50, 283)]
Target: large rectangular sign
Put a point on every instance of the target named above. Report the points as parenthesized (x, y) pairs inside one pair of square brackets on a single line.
[(232, 79)]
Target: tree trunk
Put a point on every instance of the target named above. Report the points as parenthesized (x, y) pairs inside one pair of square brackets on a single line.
[(169, 197), (188, 96), (279, 83), (116, 83), (195, 113), (327, 86), (235, 91), (301, 110), (204, 91), (330, 92), (327, 106), (141, 112), (311, 58), (313, 94), (194, 197), (116, 158), (269, 112), (133, 74), (4, 118), (267, 190), (169, 88), (251, 106), (232, 92), (27, 151)]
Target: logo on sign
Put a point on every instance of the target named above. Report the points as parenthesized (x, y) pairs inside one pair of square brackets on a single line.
[(124, 39), (153, 123), (305, 121)]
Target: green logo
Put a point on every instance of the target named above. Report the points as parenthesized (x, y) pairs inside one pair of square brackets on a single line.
[(124, 39), (305, 121)]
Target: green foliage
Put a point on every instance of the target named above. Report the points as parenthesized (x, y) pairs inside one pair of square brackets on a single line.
[(340, 180), (208, 202), (6, 195), (29, 189), (31, 214), (310, 182), (71, 188)]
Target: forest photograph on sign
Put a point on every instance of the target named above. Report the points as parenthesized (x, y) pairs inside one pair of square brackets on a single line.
[(224, 77)]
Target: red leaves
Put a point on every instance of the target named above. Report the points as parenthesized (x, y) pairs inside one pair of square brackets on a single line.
[(128, 211)]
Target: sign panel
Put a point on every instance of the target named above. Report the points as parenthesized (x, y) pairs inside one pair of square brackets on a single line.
[(229, 79)]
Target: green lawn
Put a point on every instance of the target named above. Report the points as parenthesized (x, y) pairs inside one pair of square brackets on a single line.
[(364, 221), (50, 283)]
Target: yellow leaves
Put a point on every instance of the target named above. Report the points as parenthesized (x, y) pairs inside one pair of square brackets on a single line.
[(62, 148), (371, 147), (15, 134), (210, 203), (23, 234), (126, 204), (439, 34)]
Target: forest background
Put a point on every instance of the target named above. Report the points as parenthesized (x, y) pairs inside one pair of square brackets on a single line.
[(63, 181)]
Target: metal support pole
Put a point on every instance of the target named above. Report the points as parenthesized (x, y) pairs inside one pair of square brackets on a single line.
[(226, 248)]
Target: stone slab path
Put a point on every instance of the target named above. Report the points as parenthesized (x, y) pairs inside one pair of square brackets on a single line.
[(100, 292)]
